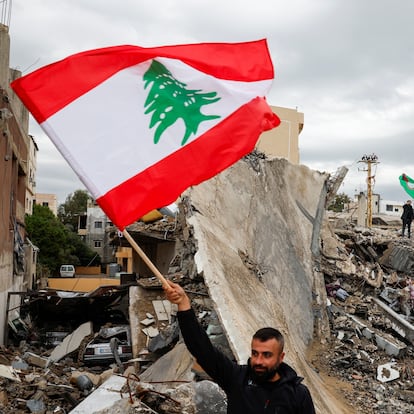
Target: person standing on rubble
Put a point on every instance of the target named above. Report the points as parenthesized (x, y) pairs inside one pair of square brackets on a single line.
[(265, 384), (407, 218)]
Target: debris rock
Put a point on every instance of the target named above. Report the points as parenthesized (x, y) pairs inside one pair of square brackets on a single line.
[(387, 372)]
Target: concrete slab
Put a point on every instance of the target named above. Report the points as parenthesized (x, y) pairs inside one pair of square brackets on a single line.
[(388, 343), (103, 397), (173, 366), (36, 360), (6, 371), (399, 324), (162, 309), (257, 227), (71, 342), (151, 332)]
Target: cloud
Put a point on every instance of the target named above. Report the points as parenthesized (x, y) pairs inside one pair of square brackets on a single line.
[(348, 66)]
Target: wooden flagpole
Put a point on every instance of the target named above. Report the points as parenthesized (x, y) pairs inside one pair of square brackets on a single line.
[(146, 259)]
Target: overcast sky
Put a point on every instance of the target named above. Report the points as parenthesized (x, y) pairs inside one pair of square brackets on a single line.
[(348, 65)]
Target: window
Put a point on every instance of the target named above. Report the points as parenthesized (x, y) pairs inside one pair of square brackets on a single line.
[(45, 203), (82, 222), (98, 224), (97, 243), (389, 207)]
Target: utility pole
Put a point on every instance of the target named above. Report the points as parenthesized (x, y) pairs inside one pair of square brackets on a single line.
[(369, 160)]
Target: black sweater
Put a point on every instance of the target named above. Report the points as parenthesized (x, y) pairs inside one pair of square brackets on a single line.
[(408, 213), (286, 396)]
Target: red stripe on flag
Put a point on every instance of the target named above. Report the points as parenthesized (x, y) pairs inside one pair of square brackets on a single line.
[(162, 183), (50, 88)]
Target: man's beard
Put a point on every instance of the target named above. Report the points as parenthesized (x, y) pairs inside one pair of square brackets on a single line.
[(264, 375)]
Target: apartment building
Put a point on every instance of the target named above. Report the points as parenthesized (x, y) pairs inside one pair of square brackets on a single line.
[(17, 171)]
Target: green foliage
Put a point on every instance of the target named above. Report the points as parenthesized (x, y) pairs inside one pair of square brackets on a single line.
[(339, 202), (169, 100), (56, 242), (75, 205), (81, 253), (49, 235)]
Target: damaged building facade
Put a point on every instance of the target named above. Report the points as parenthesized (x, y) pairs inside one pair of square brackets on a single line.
[(18, 170), (92, 229)]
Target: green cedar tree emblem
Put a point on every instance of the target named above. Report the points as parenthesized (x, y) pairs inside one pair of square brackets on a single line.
[(169, 100)]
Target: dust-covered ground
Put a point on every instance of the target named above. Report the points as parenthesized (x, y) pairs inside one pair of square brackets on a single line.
[(368, 377)]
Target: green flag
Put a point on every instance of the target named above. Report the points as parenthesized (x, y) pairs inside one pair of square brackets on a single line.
[(404, 181)]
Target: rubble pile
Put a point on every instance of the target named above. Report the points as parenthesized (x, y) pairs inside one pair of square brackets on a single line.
[(43, 369), (31, 385), (39, 378), (369, 354), (369, 283)]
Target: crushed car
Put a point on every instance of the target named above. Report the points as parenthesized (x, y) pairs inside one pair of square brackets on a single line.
[(110, 344)]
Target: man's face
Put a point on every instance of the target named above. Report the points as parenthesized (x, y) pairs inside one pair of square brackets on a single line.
[(265, 359)]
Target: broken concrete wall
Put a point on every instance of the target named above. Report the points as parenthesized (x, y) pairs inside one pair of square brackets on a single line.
[(255, 224)]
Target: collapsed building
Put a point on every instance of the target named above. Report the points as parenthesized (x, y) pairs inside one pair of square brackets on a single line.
[(253, 247)]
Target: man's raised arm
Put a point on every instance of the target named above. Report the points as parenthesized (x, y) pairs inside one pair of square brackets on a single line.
[(215, 363)]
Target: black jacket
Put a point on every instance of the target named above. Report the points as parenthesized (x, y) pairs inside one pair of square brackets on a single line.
[(285, 396), (408, 213)]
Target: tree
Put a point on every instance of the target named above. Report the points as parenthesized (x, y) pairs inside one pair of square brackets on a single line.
[(56, 242), (81, 253), (76, 204), (339, 202), (49, 235)]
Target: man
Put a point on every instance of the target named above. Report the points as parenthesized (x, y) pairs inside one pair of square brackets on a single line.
[(407, 218), (265, 385)]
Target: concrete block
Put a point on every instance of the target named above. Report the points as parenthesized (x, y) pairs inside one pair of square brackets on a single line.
[(103, 397), (398, 323), (387, 372), (36, 360), (390, 345)]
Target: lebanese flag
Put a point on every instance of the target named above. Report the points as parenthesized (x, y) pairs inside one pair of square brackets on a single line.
[(140, 125)]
